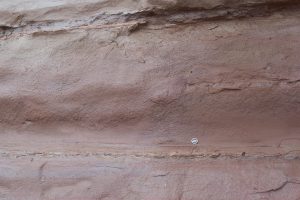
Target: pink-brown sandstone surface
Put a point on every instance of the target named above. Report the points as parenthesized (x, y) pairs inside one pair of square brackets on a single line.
[(99, 99)]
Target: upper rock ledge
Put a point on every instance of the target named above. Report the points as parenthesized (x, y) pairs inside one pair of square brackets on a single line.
[(44, 17), (16, 13)]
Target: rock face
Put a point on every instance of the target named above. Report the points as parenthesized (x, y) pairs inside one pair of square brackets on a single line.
[(100, 99)]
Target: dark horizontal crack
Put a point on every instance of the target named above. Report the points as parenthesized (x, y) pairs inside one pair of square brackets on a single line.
[(162, 175), (4, 28)]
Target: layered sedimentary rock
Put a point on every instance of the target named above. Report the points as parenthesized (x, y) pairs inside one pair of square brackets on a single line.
[(99, 99)]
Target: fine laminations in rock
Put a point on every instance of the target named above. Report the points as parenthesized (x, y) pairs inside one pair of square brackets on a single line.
[(150, 99)]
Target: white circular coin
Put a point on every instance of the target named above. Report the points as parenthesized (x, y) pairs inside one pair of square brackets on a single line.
[(194, 141)]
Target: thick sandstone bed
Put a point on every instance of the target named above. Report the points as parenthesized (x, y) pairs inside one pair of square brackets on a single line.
[(100, 99)]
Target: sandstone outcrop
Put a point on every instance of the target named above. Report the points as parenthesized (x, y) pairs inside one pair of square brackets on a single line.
[(99, 99)]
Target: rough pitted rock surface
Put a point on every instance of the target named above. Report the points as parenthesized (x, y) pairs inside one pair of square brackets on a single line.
[(100, 99)]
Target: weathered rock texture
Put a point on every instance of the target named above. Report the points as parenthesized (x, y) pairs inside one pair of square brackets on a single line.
[(99, 99)]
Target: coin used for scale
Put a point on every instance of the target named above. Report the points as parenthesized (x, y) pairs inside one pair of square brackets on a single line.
[(194, 141)]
